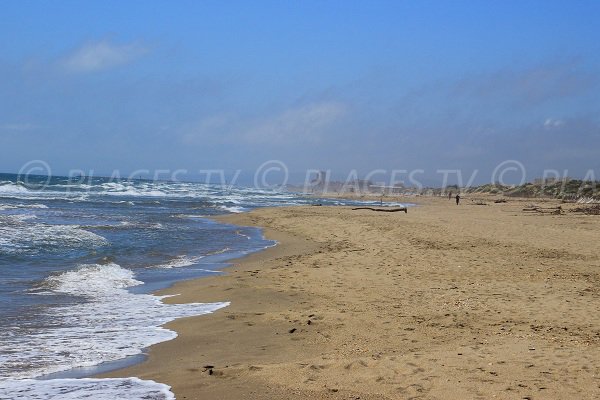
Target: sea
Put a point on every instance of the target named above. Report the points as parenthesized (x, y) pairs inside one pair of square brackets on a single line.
[(80, 260)]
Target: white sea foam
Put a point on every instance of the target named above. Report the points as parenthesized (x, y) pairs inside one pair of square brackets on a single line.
[(76, 389), (214, 253), (32, 206), (132, 190), (240, 233), (17, 206), (93, 280), (109, 325), (179, 262), (233, 209), (135, 192), (18, 237), (11, 188), (233, 196), (38, 195), (131, 203), (188, 216), (79, 186)]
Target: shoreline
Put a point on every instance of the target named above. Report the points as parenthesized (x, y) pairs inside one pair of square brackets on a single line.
[(286, 245), (218, 262), (444, 302)]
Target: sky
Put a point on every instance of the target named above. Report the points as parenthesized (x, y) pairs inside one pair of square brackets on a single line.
[(317, 85)]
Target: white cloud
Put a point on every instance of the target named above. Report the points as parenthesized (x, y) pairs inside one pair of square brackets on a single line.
[(95, 56), (303, 124), (550, 123), (300, 124)]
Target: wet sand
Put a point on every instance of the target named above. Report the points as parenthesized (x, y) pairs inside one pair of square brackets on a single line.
[(445, 302)]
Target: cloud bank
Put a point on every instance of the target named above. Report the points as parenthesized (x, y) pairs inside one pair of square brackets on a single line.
[(102, 55), (303, 124)]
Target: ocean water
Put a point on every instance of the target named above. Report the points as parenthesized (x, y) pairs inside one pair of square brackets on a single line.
[(79, 260)]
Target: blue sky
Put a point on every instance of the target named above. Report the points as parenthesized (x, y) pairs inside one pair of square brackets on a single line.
[(337, 85)]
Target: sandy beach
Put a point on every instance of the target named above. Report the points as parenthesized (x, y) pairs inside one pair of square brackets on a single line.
[(444, 302)]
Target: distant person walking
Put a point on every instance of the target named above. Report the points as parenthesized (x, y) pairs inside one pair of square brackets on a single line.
[(450, 196), (457, 199)]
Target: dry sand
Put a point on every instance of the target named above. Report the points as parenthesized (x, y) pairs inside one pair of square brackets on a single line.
[(445, 302)]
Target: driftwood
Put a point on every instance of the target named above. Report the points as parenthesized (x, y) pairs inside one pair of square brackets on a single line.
[(589, 210), (383, 209), (548, 210)]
